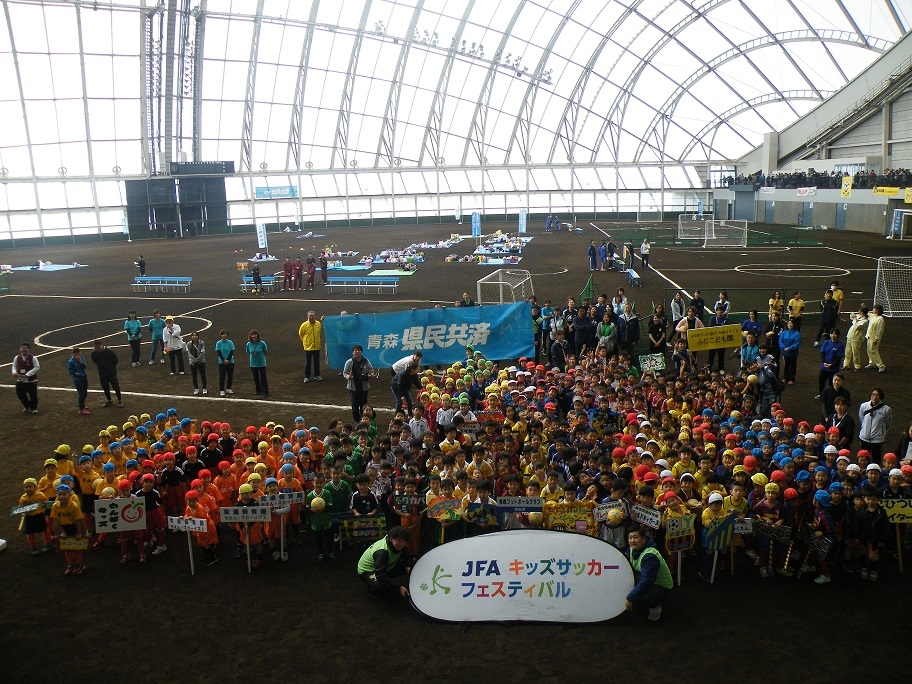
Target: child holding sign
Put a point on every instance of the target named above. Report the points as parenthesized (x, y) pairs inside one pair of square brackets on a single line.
[(34, 521), (252, 532), (68, 523), (319, 501), (208, 540)]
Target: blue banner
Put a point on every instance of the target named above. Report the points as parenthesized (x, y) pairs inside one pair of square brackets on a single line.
[(499, 331), (276, 192), (476, 224), (523, 218)]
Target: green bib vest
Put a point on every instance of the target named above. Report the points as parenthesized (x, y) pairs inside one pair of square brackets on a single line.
[(664, 578), (366, 564)]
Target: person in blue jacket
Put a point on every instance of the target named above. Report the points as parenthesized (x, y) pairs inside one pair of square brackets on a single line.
[(832, 353), (156, 327), (256, 348), (789, 341)]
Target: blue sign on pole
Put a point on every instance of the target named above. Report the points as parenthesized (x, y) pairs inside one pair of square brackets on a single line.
[(276, 192), (476, 224), (523, 217), (499, 331)]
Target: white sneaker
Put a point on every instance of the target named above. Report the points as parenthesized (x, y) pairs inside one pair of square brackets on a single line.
[(751, 554), (823, 579), (229, 391), (655, 613), (221, 393), (151, 362), (205, 391), (196, 391), (159, 550), (161, 360)]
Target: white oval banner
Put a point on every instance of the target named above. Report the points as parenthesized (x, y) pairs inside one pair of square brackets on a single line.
[(528, 575)]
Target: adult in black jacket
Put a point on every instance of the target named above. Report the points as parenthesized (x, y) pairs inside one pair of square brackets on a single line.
[(829, 316), (106, 361), (403, 382)]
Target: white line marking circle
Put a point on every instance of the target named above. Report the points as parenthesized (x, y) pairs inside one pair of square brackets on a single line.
[(38, 339), (793, 270)]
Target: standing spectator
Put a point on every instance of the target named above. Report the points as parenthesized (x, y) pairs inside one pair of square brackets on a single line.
[(466, 300), (141, 265), (722, 301), (857, 331), (830, 393), (402, 383), (297, 270), (592, 252), (196, 353), (644, 253), (776, 304), (832, 352), (357, 373), (771, 333), (606, 334), (612, 249), (310, 333), (874, 336), (838, 297), (324, 266), (583, 327), (156, 326), (224, 349), (174, 345), (287, 277), (257, 349), (796, 309), (105, 360), (311, 265), (657, 331), (718, 354), (699, 304), (133, 328), (876, 418), (548, 223), (537, 335), (631, 254), (628, 330), (829, 313), (789, 341), (677, 308), (257, 279), (76, 367), (603, 254), (25, 370)]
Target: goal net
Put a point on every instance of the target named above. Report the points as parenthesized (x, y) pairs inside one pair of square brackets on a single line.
[(893, 288), (692, 226), (725, 233), (505, 286)]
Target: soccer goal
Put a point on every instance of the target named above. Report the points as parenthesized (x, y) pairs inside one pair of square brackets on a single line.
[(893, 288), (505, 286), (692, 227), (725, 233)]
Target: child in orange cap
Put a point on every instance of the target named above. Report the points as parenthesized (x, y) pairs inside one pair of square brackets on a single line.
[(208, 540)]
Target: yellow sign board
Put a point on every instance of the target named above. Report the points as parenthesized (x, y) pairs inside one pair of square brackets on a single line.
[(886, 191), (846, 186), (908, 196), (897, 510), (717, 337)]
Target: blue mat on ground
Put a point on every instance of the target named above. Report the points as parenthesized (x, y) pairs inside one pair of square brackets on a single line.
[(391, 272), (355, 267), (50, 267), (499, 262), (272, 258), (311, 235)]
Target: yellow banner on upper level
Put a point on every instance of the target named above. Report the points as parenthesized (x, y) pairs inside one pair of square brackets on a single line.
[(846, 187), (886, 190)]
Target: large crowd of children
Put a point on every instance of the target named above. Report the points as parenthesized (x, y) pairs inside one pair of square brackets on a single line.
[(600, 432)]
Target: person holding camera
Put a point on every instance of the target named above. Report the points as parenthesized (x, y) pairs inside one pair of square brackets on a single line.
[(357, 373)]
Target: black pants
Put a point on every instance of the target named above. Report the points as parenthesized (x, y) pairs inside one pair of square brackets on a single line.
[(109, 382), (718, 354), (176, 355), (28, 394), (226, 376), (358, 402), (400, 397), (312, 359), (874, 448), (825, 378), (791, 367), (825, 327), (201, 368), (82, 390), (651, 598), (259, 380), (645, 259), (324, 540), (134, 349)]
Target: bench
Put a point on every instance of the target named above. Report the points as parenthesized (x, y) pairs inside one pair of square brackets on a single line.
[(269, 283), (363, 284), (633, 278), (162, 284)]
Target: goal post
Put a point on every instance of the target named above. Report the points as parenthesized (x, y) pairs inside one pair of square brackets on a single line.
[(893, 287), (725, 233), (692, 227), (504, 286)]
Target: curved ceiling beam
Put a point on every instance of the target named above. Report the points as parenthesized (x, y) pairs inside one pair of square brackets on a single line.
[(753, 103), (671, 103), (340, 142)]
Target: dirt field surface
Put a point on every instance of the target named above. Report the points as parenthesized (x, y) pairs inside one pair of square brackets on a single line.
[(298, 619)]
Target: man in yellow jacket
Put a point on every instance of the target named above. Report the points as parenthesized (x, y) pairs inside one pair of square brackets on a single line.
[(311, 332)]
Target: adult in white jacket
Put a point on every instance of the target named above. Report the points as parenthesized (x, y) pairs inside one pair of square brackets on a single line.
[(875, 418), (174, 345), (875, 335)]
